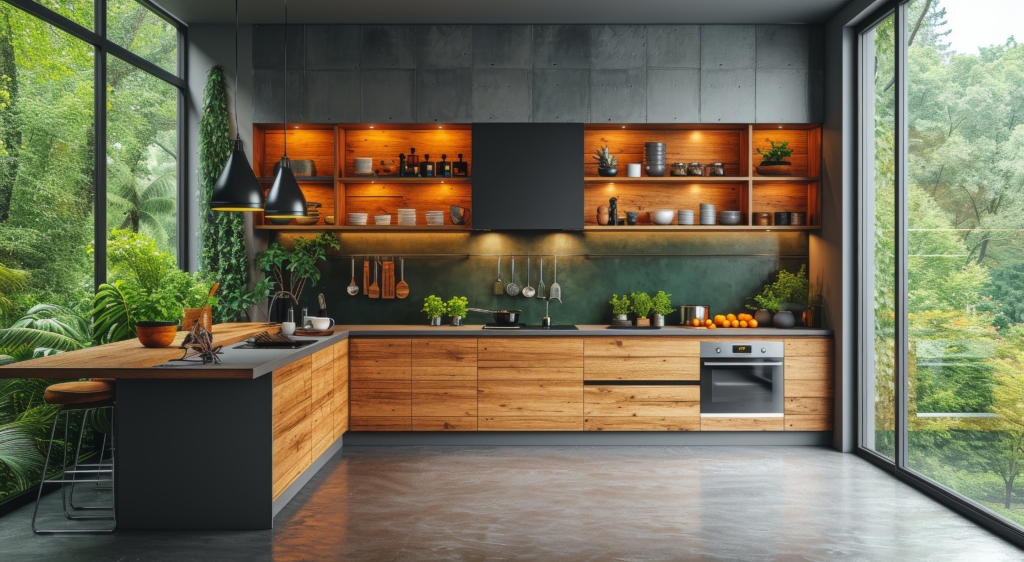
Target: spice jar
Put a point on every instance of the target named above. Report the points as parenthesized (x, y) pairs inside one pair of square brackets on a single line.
[(763, 219), (426, 167), (412, 163), (460, 169), (695, 169), (716, 169), (678, 169), (444, 167)]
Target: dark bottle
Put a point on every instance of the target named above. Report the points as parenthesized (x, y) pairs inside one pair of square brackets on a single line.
[(460, 169), (412, 164), (401, 165), (613, 211), (426, 167), (444, 167)]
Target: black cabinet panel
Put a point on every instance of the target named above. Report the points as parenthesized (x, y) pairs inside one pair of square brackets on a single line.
[(528, 176)]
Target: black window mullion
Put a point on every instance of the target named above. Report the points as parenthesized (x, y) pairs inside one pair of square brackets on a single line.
[(183, 198), (902, 281), (99, 124)]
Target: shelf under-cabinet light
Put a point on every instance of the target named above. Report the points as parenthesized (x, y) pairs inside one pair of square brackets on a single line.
[(371, 126)]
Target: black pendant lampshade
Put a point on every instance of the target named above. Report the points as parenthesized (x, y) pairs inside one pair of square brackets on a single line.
[(285, 199), (237, 188)]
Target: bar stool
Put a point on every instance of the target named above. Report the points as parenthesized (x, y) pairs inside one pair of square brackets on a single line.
[(88, 397)]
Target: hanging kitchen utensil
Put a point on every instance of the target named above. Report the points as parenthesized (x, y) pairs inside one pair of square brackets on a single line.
[(540, 283), (374, 291), (499, 289), (402, 289), (556, 290), (387, 290), (323, 305), (366, 275), (512, 289), (528, 291), (352, 288)]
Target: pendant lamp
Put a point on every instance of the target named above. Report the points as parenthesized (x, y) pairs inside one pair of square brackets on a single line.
[(237, 188), (285, 199)]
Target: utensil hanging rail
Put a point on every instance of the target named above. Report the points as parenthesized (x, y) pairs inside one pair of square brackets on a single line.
[(584, 256)]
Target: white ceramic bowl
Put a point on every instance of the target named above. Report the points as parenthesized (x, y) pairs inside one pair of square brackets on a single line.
[(364, 165), (663, 216)]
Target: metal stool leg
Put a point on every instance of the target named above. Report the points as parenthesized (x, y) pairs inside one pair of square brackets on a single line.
[(100, 465)]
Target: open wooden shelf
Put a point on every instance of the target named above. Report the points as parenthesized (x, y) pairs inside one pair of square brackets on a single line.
[(311, 179), (666, 179), (697, 228), (367, 228), (398, 180)]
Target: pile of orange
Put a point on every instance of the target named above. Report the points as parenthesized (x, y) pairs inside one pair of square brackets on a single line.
[(741, 320)]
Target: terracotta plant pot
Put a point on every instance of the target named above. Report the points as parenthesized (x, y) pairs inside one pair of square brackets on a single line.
[(643, 321), (156, 334), (764, 318), (202, 315)]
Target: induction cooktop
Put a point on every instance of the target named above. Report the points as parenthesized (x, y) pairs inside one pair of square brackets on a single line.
[(490, 326)]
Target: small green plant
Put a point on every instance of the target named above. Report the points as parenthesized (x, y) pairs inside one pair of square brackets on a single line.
[(787, 288), (661, 303), (619, 306), (456, 307), (434, 307), (641, 304), (777, 153), (605, 160), (197, 293), (292, 270)]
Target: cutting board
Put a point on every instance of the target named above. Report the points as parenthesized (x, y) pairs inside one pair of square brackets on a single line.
[(387, 289), (366, 275)]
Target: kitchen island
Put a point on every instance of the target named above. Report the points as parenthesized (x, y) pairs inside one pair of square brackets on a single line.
[(226, 446)]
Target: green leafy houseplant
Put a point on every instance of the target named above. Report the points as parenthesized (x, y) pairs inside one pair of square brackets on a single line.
[(777, 153), (661, 304), (434, 307), (292, 270), (620, 306), (788, 288), (456, 307), (641, 304)]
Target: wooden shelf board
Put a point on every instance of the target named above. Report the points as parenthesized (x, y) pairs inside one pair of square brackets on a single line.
[(367, 228), (792, 179), (396, 180), (303, 179), (697, 227), (667, 179)]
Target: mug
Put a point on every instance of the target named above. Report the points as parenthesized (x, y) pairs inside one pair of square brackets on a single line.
[(307, 322), (321, 323), (287, 328), (632, 170), (364, 165)]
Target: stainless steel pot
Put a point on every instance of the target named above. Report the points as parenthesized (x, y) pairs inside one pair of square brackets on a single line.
[(501, 317), (699, 311)]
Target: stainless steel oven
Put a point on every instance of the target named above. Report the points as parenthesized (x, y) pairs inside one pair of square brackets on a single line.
[(741, 377)]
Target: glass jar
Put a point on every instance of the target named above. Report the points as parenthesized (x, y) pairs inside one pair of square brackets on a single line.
[(695, 169), (716, 169), (678, 169)]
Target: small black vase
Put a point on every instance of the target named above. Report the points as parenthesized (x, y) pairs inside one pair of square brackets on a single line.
[(784, 319), (607, 172)]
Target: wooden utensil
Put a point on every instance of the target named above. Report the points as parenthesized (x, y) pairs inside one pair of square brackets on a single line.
[(499, 288), (387, 290), (402, 289), (213, 290), (366, 276), (374, 290)]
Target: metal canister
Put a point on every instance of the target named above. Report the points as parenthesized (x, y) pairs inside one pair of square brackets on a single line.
[(797, 219), (716, 169), (763, 219), (678, 169), (689, 312), (695, 169), (782, 218)]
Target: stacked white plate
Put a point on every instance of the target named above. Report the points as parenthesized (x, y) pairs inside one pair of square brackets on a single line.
[(357, 219), (685, 216), (707, 213), (382, 220), (407, 217), (435, 218)]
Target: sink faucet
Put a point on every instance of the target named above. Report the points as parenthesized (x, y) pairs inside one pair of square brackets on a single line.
[(546, 321)]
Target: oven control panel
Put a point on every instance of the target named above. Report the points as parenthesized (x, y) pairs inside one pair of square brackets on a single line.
[(741, 350)]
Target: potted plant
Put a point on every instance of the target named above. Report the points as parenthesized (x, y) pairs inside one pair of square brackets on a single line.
[(293, 269), (787, 291), (199, 302), (620, 309), (456, 309), (773, 161), (435, 309), (607, 164), (156, 315), (640, 304), (661, 304)]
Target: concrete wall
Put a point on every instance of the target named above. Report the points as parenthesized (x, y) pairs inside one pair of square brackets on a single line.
[(547, 73)]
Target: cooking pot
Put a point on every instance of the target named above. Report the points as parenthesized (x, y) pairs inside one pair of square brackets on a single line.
[(698, 311), (502, 317)]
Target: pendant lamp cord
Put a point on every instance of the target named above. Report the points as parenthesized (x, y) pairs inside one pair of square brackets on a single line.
[(238, 130), (285, 78)]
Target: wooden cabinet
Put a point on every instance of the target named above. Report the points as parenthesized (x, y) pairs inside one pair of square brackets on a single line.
[(340, 388), (641, 408), (380, 384), (530, 384), (321, 404), (810, 385), (721, 423), (640, 358), (444, 392)]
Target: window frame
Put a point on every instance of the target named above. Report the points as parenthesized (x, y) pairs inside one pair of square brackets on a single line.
[(102, 46)]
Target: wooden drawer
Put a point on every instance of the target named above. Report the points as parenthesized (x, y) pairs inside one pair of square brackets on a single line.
[(530, 423), (641, 401), (815, 388), (662, 358), (444, 359), (808, 406), (380, 359), (808, 423), (443, 424), (741, 424), (380, 423), (808, 368), (530, 398), (809, 347), (641, 347), (530, 352), (443, 399), (641, 423), (380, 399)]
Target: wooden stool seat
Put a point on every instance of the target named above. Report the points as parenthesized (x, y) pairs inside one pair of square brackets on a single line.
[(79, 392)]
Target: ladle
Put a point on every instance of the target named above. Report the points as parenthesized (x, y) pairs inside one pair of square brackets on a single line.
[(353, 289), (528, 291)]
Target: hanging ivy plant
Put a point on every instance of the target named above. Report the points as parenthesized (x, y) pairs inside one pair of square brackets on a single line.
[(221, 234)]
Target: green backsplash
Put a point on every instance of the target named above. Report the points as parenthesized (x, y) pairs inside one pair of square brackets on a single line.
[(725, 269)]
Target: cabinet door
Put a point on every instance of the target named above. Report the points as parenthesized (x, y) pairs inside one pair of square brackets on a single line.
[(340, 388), (641, 408), (380, 384), (536, 405), (548, 359), (322, 401), (810, 384), (444, 359), (640, 358), (292, 423)]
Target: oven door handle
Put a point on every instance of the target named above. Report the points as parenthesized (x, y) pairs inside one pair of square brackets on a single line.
[(766, 364)]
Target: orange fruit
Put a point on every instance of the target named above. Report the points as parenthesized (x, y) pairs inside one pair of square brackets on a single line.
[(719, 318), (709, 322), (746, 317), (743, 323), (730, 317), (735, 323), (712, 326), (752, 323), (696, 322)]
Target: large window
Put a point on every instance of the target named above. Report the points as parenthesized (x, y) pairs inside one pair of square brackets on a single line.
[(90, 140), (958, 189)]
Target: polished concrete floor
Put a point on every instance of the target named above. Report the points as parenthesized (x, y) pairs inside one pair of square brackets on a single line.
[(569, 503)]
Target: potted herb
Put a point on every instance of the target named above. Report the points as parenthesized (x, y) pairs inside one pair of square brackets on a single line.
[(293, 269), (435, 309), (456, 308), (641, 304), (661, 304), (607, 164), (773, 160), (199, 302), (789, 290), (620, 310)]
